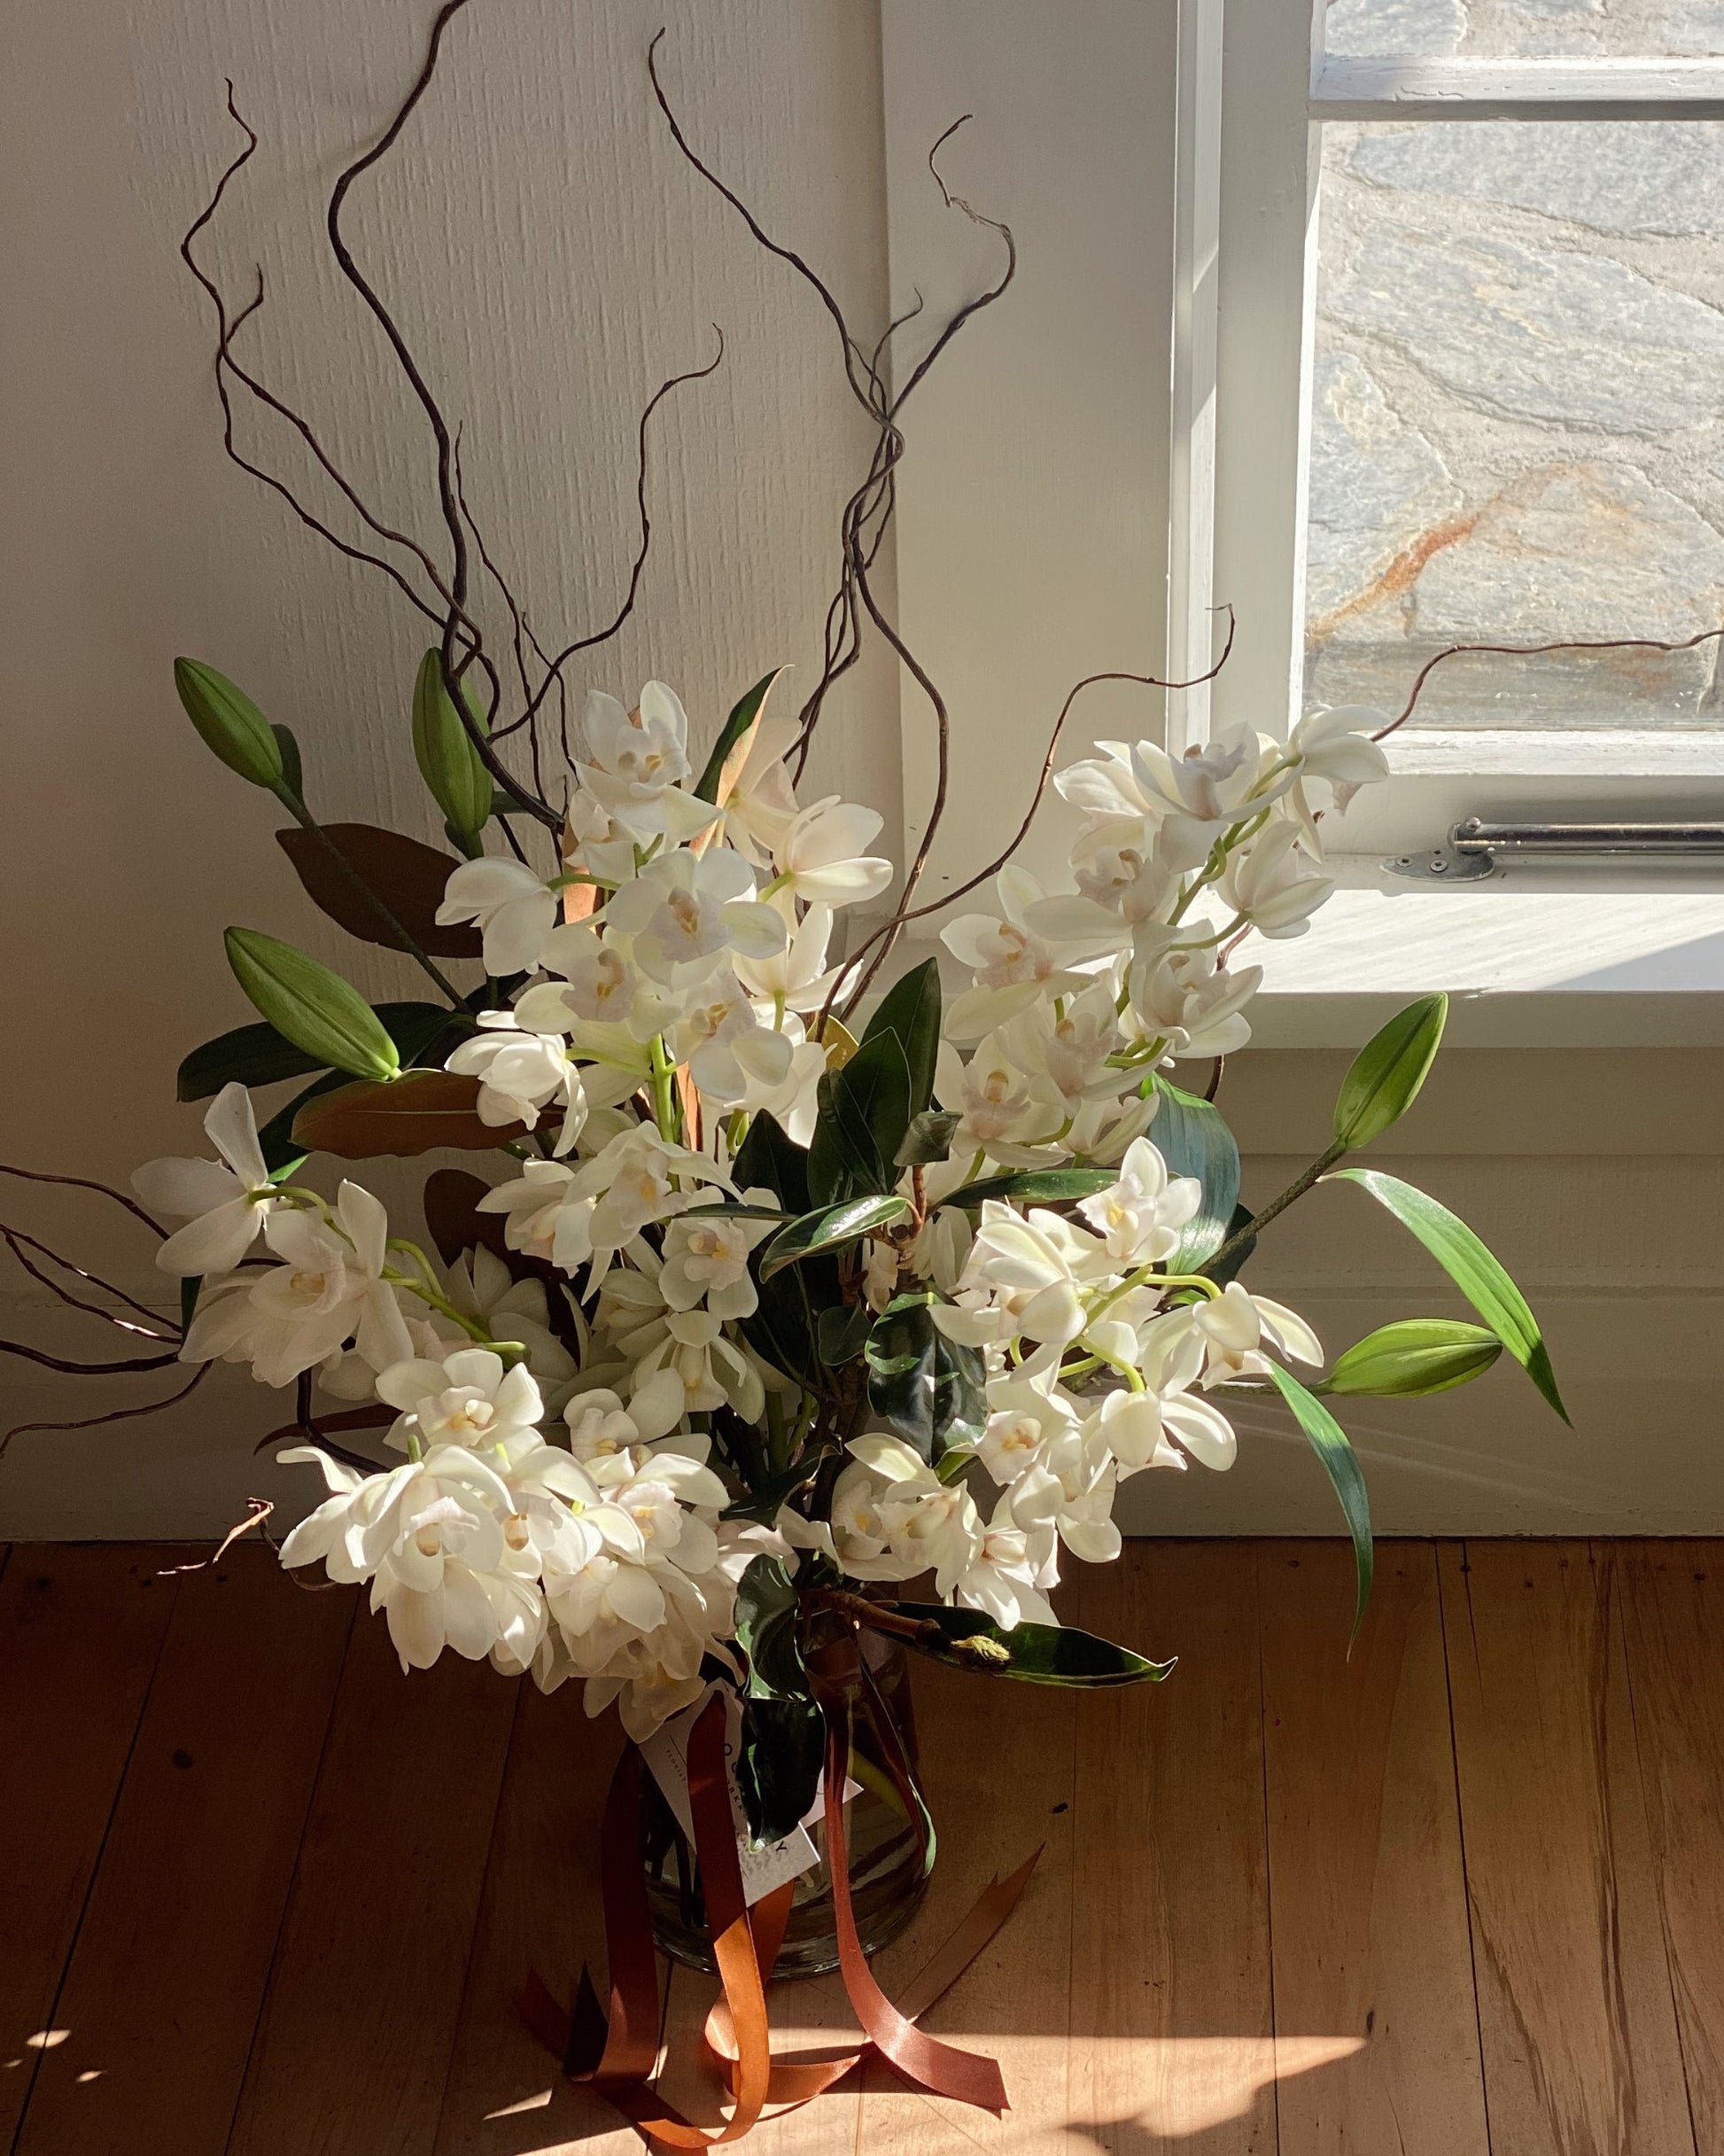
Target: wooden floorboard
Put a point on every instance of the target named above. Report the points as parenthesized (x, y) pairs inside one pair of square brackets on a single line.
[(162, 1992), (1578, 2019), (1460, 1894), (79, 1633)]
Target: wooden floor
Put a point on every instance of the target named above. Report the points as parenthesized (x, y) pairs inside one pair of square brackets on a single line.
[(261, 1894)]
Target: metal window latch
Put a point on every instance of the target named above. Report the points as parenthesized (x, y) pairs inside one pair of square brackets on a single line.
[(1475, 849)]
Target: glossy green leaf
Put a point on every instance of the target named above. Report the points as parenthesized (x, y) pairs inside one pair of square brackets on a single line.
[(259, 1055), (863, 1111), (415, 1112), (1413, 1356), (1388, 1071), (828, 1229), (1036, 1187), (1474, 1271), (778, 1769), (313, 1007), (228, 723), (453, 771), (766, 1631), (1035, 1654), (929, 1138), (1332, 1447), (1191, 1135), (927, 1389), (768, 1158), (190, 1288), (742, 716), (1234, 1264), (843, 1332), (910, 1008), (282, 1155)]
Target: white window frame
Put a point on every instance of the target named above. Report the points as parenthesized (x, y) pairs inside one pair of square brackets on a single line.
[(1256, 90)]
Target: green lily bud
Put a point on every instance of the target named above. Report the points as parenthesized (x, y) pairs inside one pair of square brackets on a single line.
[(229, 722), (448, 762), (319, 1012)]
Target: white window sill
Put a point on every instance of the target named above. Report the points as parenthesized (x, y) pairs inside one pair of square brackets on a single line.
[(1533, 960)]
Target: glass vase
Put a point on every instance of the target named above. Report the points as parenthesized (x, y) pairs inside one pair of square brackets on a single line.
[(887, 1866)]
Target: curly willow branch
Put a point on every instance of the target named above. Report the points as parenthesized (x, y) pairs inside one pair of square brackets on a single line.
[(1600, 643)]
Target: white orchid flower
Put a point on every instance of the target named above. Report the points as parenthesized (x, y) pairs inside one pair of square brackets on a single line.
[(761, 807), (1067, 1049), (793, 1102), (1207, 789), (481, 1286), (706, 1259), (927, 1523), (519, 1074), (1233, 1326), (223, 1203), (514, 909), (1336, 745), (1139, 1218), (1274, 883), (326, 1289), (820, 858), (633, 761), (1027, 1412), (1001, 1112), (600, 986), (1185, 998), (710, 1371), (795, 978), (468, 1398), (1108, 789), (1001, 1576), (1015, 967), (725, 1044), (684, 908)]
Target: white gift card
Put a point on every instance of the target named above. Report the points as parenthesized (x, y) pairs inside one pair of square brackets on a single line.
[(764, 1866)]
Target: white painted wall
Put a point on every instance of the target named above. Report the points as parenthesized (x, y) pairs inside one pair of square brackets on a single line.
[(554, 260)]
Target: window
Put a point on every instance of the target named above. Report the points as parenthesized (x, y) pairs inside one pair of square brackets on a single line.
[(1462, 266)]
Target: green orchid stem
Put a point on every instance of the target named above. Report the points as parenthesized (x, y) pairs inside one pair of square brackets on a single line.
[(1297, 1188), (664, 1108), (297, 808), (423, 1285)]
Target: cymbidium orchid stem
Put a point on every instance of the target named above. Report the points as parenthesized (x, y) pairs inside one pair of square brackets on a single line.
[(1297, 1188)]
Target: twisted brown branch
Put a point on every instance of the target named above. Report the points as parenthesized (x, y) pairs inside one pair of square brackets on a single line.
[(115, 1414), (1599, 643)]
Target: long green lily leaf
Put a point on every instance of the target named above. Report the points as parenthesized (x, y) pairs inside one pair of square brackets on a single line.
[(1334, 1448), (828, 1229), (1473, 1269)]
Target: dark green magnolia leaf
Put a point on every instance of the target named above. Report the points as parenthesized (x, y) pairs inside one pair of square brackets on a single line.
[(741, 718), (1388, 1071), (409, 879), (925, 1387), (1235, 1263), (764, 1503), (420, 1111), (862, 1112), (910, 1008), (1036, 1187), (734, 1212), (828, 1229), (229, 723), (190, 1286), (843, 1332), (257, 1054), (313, 1007), (768, 1158), (1191, 1136), (766, 1631), (281, 1155), (1037, 1653), (1471, 1267), (927, 1138), (1330, 1442), (1414, 1357), (778, 1769)]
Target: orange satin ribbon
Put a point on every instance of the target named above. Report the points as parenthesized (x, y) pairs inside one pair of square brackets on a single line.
[(616, 2055)]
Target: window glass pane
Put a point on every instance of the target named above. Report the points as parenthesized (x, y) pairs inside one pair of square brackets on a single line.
[(1524, 29), (1517, 423)]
